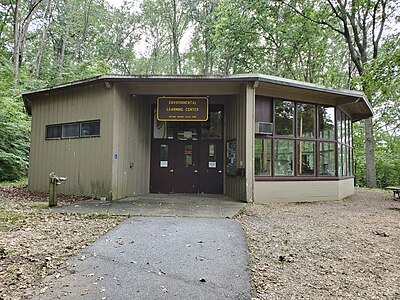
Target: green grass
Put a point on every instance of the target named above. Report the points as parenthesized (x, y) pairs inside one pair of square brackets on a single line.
[(22, 181), (102, 215), (8, 217), (40, 206)]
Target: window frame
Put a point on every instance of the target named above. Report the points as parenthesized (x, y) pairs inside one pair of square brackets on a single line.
[(63, 137), (344, 142)]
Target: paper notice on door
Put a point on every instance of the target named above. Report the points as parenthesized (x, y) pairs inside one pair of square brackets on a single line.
[(163, 163), (212, 164)]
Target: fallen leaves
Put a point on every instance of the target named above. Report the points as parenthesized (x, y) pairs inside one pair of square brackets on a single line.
[(35, 242), (345, 249)]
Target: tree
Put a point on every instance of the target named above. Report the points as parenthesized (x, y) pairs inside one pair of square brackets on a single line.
[(361, 23), (14, 129)]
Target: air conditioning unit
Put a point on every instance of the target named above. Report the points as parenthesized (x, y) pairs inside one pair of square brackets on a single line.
[(263, 128)]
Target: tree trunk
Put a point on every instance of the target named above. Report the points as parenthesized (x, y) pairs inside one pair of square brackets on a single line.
[(38, 58), (370, 154), (175, 39), (16, 43)]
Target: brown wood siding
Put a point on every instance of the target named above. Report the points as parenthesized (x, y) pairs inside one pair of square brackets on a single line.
[(235, 109), (131, 171), (77, 158)]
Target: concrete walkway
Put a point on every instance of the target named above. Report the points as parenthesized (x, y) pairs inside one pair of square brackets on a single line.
[(159, 258), (167, 205)]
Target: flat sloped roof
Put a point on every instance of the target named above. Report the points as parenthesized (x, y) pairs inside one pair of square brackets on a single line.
[(353, 102)]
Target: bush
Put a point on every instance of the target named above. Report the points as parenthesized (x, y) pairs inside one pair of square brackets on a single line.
[(14, 139)]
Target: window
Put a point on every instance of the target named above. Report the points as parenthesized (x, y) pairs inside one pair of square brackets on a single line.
[(163, 156), (212, 129), (187, 132), (305, 120), (283, 157), (306, 154), (339, 125), (188, 156), (344, 144), (340, 159), (90, 128), (70, 130), (327, 159), (53, 131), (212, 156), (263, 156), (73, 130), (308, 140), (284, 116), (326, 117)]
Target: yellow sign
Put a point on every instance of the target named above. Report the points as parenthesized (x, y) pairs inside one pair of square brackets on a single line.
[(182, 109)]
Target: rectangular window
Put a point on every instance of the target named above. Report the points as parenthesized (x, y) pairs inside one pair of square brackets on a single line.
[(212, 128), (163, 156), (350, 132), (339, 125), (73, 130), (283, 157), (327, 159), (345, 160), (351, 162), (306, 158), (212, 156), (340, 159), (162, 130), (53, 131), (305, 120), (187, 132), (188, 156), (70, 130), (344, 129), (90, 128), (284, 117), (326, 122), (262, 158)]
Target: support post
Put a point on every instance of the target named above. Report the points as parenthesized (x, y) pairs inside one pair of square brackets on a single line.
[(53, 182), (53, 193)]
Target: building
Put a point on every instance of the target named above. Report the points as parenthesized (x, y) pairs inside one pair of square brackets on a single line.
[(252, 137)]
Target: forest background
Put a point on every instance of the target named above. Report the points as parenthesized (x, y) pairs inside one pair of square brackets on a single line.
[(336, 43)]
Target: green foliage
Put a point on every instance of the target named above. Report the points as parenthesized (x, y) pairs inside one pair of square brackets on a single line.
[(71, 40), (18, 182), (381, 80), (14, 130)]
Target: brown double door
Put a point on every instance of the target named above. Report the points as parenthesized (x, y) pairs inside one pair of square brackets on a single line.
[(187, 157)]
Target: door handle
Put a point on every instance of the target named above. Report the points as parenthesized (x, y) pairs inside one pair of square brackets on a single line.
[(171, 171), (219, 171), (195, 171)]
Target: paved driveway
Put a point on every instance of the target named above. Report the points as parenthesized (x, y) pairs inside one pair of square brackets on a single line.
[(160, 258)]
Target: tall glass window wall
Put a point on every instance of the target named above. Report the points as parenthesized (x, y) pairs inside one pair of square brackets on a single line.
[(305, 142)]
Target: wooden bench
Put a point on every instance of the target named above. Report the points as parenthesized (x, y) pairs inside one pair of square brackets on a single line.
[(396, 191)]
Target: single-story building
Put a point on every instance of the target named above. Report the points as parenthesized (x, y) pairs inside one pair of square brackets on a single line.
[(252, 137)]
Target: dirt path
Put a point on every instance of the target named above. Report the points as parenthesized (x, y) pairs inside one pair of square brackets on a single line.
[(347, 249)]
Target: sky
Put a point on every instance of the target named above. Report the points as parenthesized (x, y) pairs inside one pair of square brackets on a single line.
[(140, 48), (115, 3)]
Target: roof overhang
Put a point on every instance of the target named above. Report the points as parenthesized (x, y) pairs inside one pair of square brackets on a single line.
[(354, 103)]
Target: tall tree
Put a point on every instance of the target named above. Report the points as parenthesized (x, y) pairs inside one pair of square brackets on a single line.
[(23, 16), (361, 23)]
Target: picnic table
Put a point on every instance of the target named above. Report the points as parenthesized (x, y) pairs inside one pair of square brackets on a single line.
[(396, 191)]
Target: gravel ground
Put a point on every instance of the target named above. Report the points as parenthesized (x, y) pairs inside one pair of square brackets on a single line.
[(348, 249), (35, 242)]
